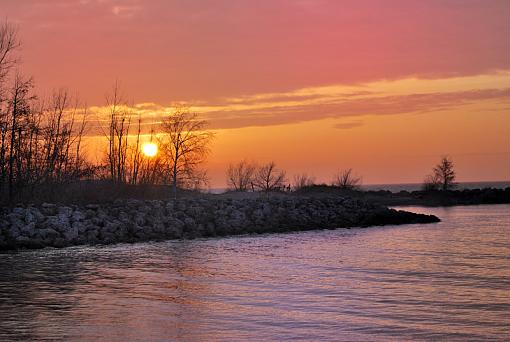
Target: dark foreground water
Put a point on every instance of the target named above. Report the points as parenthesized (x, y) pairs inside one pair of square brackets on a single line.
[(423, 282)]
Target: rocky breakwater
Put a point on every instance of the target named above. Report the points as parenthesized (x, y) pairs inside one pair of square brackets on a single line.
[(133, 220)]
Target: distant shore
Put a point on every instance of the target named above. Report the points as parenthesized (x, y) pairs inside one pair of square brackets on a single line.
[(422, 198), (50, 225)]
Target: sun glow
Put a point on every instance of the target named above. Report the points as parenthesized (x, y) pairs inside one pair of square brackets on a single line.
[(150, 149)]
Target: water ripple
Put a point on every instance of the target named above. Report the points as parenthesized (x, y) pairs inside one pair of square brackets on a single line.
[(447, 281)]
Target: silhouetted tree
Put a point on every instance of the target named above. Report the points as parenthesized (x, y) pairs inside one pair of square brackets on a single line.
[(61, 138), (20, 111), (431, 183), (346, 180), (186, 144), (302, 180), (269, 178), (117, 135), (240, 176), (9, 43), (40, 142), (136, 156), (443, 175)]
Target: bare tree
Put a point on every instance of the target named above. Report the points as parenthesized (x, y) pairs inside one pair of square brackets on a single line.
[(117, 135), (347, 180), (153, 170), (186, 144), (240, 176), (443, 175), (431, 183), (40, 143), (19, 110), (302, 180), (269, 178), (136, 155), (63, 138), (9, 43)]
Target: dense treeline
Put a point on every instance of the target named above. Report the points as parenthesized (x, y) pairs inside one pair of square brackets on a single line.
[(40, 139), (42, 143)]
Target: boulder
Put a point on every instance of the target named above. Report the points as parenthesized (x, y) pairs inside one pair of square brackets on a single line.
[(48, 209), (22, 240), (19, 211), (28, 230), (78, 216), (71, 233), (47, 235), (13, 232), (58, 223), (15, 220), (33, 214), (65, 212)]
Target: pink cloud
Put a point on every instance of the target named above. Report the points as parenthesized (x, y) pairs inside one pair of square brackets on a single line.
[(273, 112), (200, 50)]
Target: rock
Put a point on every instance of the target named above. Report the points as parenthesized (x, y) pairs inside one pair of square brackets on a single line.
[(80, 226), (188, 218), (78, 216), (189, 223), (58, 223), (139, 219), (19, 211), (71, 234), (60, 242), (111, 227), (124, 217), (28, 230), (33, 215), (64, 212), (47, 234), (92, 234), (22, 240), (48, 209), (15, 220), (13, 232)]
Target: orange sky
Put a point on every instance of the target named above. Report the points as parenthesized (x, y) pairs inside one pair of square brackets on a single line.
[(384, 87)]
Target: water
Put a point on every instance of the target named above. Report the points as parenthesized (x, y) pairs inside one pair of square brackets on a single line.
[(445, 281)]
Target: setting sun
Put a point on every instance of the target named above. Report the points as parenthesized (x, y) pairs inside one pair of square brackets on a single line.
[(282, 125), (150, 149)]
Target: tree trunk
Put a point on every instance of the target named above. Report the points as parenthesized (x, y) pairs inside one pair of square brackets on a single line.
[(175, 180)]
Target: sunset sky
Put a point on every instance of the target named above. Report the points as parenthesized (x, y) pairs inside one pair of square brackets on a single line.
[(384, 87)]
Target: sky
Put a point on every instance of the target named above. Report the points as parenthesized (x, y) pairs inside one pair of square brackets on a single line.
[(383, 87)]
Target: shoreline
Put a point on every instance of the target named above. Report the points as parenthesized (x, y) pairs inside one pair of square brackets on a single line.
[(132, 221), (415, 198)]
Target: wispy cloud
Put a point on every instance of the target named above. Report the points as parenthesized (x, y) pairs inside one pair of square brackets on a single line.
[(348, 125), (406, 96), (126, 11)]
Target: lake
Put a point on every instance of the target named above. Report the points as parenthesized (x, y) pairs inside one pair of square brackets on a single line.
[(449, 280)]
